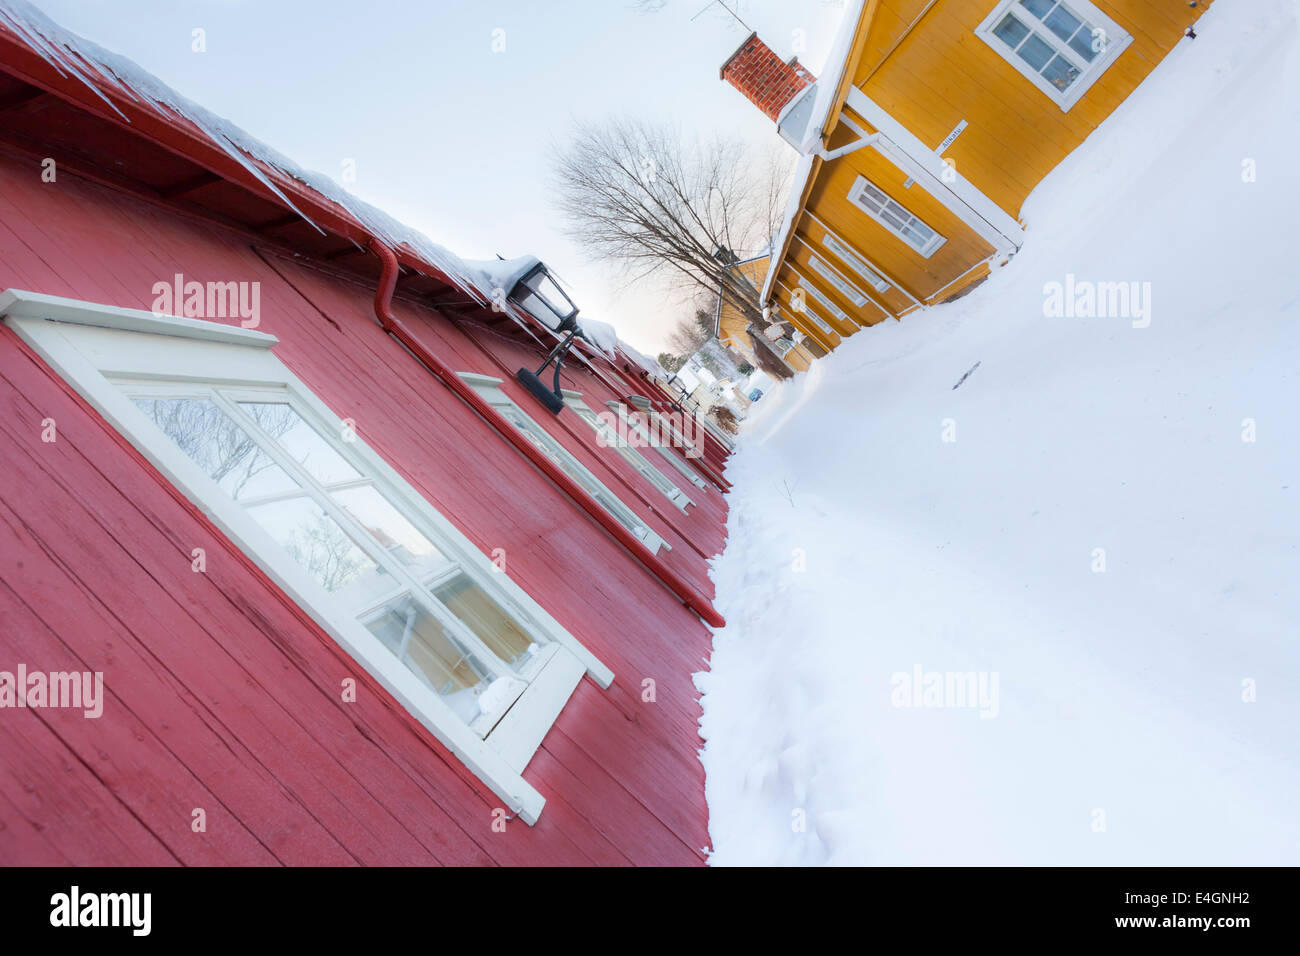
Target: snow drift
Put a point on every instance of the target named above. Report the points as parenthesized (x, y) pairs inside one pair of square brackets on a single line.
[(1099, 523)]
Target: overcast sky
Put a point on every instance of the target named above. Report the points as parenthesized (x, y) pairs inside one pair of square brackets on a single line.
[(448, 134)]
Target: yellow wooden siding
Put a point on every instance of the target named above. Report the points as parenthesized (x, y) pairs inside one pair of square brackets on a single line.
[(732, 324), (962, 284), (799, 359), (920, 276), (796, 276), (786, 312), (814, 232), (930, 78), (942, 73), (868, 314)]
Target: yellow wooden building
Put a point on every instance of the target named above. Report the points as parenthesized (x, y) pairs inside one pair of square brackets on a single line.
[(934, 121)]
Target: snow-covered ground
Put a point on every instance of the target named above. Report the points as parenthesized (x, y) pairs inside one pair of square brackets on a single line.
[(1147, 713)]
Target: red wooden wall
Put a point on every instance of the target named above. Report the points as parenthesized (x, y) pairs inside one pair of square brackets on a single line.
[(220, 693)]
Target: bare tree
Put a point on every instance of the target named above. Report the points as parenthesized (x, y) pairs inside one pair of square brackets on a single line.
[(690, 333), (645, 199)]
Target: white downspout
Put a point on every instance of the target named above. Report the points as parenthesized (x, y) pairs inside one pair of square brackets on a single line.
[(857, 144)]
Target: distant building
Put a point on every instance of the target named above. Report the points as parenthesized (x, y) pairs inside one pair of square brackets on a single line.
[(777, 348)]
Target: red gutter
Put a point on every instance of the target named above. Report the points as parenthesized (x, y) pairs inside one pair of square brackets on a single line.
[(394, 327)]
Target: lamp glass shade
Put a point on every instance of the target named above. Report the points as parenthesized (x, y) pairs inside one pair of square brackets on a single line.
[(542, 298)]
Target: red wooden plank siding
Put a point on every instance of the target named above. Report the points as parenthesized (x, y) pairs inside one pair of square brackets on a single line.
[(220, 693)]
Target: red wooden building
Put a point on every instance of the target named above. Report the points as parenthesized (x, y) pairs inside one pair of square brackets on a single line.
[(355, 594)]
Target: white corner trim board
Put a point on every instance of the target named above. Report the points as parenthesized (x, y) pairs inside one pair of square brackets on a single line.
[(124, 362)]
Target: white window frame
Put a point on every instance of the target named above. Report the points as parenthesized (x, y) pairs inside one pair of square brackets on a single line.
[(825, 301), (490, 389), (95, 347), (678, 461), (607, 436), (931, 246), (832, 275), (1116, 41), (842, 251)]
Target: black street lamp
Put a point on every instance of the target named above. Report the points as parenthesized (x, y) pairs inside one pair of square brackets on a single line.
[(538, 294)]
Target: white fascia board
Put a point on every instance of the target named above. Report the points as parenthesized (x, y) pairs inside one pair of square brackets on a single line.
[(960, 196)]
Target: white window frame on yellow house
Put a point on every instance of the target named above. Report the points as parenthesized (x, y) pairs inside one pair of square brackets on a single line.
[(804, 308), (907, 220), (832, 275), (125, 361), (942, 181), (825, 301), (845, 253), (1106, 40)]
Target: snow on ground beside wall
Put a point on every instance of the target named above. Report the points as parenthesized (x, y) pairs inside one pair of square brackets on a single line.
[(1118, 733)]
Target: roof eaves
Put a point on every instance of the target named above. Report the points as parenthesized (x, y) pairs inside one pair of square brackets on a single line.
[(854, 26)]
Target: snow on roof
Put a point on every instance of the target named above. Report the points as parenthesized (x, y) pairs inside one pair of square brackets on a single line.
[(602, 335), (502, 274), (95, 66), (824, 90), (497, 277), (646, 362)]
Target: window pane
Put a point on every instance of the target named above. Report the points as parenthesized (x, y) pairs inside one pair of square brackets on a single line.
[(219, 445), (873, 195), (889, 217), (854, 261), (1036, 52), (1082, 43), (921, 229), (487, 620), (1060, 72), (545, 287), (1011, 31), (436, 657), (391, 529), (323, 549), (307, 446), (1039, 8), (1062, 22)]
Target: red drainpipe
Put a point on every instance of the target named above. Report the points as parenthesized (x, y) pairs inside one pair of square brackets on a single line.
[(394, 327)]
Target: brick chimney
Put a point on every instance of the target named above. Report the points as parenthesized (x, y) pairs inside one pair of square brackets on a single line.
[(767, 81)]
